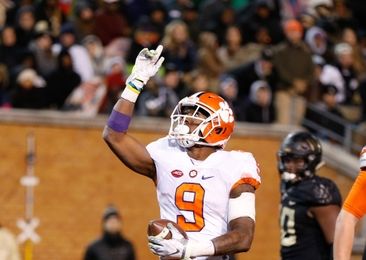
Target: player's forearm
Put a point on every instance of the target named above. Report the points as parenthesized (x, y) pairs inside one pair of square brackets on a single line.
[(239, 239), (344, 234)]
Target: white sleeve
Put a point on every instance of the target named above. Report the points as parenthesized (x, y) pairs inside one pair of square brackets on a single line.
[(246, 170)]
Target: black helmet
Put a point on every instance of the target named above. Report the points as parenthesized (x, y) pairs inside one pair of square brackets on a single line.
[(299, 145)]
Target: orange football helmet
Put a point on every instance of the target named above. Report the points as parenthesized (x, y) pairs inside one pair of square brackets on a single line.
[(212, 115)]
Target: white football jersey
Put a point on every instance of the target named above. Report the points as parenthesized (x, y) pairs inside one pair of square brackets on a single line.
[(195, 194)]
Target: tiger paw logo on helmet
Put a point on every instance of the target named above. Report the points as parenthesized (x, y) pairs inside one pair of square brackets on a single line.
[(226, 114)]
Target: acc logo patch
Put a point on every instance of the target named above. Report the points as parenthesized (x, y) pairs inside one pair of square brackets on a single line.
[(177, 173)]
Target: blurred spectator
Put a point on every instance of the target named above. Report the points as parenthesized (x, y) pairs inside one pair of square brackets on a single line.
[(110, 23), (291, 9), (344, 16), (48, 10), (190, 17), (196, 82), (294, 80), (259, 107), (30, 91), (260, 69), (86, 99), (80, 58), (329, 115), (41, 47), (325, 15), (4, 86), (157, 100), (348, 35), (208, 60), (95, 49), (8, 245), (228, 89), (84, 21), (112, 245), (9, 51), (325, 74), (210, 14), (346, 65), (62, 81), (316, 39), (172, 79), (158, 17), (261, 18), (232, 53), (178, 47), (146, 35), (115, 82), (25, 22), (307, 20), (226, 19), (5, 5), (329, 101)]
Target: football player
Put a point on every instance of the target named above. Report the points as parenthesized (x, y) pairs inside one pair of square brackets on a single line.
[(309, 203), (207, 191), (354, 208)]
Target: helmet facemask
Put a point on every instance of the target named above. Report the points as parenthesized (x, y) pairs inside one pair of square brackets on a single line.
[(181, 132), (300, 172)]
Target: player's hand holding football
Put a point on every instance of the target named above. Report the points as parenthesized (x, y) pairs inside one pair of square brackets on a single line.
[(174, 248)]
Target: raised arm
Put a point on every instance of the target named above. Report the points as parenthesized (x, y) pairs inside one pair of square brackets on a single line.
[(129, 150)]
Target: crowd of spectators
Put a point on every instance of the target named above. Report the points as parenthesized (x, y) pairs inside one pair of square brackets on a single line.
[(268, 58)]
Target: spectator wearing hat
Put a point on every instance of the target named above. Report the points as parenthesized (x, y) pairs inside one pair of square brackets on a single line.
[(29, 91), (112, 245), (80, 57), (293, 63)]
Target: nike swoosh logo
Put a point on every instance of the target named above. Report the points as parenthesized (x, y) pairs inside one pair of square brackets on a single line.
[(206, 177), (176, 252)]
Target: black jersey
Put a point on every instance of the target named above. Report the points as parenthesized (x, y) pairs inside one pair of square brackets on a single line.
[(301, 235)]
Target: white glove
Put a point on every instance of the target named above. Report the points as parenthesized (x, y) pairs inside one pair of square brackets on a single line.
[(363, 158), (146, 65), (172, 248)]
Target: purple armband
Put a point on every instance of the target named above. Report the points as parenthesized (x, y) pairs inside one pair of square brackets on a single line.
[(118, 122)]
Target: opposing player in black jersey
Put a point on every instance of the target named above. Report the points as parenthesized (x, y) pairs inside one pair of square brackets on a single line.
[(309, 203)]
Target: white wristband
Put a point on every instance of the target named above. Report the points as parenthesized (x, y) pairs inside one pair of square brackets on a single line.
[(202, 248), (132, 91)]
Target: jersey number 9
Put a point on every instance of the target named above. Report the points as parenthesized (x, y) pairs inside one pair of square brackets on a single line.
[(190, 197)]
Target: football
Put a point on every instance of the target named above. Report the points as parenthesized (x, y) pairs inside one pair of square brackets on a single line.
[(158, 227)]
